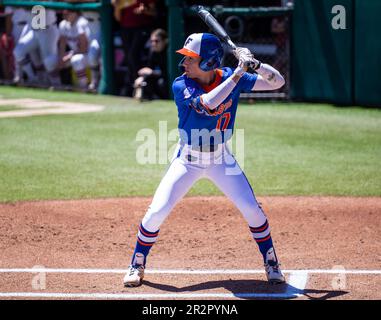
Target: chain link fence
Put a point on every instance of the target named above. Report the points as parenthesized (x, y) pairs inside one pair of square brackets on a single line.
[(267, 36)]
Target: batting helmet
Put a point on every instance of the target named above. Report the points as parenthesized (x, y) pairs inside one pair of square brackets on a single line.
[(204, 45)]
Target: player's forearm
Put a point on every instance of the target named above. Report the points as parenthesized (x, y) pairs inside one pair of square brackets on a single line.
[(270, 78), (216, 96)]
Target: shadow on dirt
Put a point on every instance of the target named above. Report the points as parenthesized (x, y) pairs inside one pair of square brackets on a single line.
[(252, 289)]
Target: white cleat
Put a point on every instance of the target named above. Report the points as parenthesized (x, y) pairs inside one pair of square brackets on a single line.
[(134, 276), (273, 272), (17, 80), (93, 87), (135, 273)]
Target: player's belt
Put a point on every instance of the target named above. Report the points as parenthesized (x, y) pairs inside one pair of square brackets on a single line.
[(210, 148), (21, 23)]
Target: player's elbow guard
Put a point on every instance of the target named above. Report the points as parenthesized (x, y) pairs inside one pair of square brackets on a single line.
[(279, 83), (272, 77)]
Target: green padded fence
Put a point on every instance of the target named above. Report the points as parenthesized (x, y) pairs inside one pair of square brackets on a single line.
[(337, 66), (53, 4), (367, 62), (321, 56)]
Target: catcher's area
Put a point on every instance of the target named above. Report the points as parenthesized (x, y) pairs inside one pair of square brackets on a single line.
[(329, 249)]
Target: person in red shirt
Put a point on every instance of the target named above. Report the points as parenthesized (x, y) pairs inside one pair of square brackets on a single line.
[(136, 19), (6, 46)]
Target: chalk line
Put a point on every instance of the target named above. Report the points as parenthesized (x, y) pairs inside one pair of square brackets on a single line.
[(185, 271)]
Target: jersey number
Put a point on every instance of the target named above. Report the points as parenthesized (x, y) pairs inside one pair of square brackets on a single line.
[(226, 117)]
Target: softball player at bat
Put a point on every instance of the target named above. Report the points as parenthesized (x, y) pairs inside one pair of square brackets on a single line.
[(207, 97)]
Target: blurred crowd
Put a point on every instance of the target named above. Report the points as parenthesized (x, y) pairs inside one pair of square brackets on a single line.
[(66, 51)]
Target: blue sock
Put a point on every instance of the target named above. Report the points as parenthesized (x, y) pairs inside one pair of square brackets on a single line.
[(263, 238), (144, 243), (142, 249), (264, 247)]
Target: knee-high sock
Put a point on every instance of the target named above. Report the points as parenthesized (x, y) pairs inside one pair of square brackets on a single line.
[(95, 75), (145, 241), (263, 238), (18, 72), (82, 78)]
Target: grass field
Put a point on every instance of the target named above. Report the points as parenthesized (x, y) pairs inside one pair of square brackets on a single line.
[(290, 149), (9, 108)]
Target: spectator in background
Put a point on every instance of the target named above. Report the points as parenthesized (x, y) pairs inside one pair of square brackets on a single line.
[(39, 45), (136, 19), (74, 33), (94, 55), (16, 21), (152, 82), (7, 44)]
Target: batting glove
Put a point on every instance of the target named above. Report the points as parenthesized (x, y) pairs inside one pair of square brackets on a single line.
[(245, 55)]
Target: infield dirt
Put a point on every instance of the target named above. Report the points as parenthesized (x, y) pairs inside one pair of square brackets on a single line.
[(200, 233)]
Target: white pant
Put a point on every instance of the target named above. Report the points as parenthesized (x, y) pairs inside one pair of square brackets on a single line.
[(79, 61), (43, 41), (94, 54), (18, 31), (82, 60), (220, 167)]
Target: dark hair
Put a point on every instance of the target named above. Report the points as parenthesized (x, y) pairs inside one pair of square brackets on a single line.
[(161, 33)]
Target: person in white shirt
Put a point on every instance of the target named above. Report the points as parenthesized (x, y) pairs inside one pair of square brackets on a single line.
[(94, 54), (75, 33), (19, 19)]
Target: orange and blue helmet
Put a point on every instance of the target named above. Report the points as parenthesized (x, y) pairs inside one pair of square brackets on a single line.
[(204, 45)]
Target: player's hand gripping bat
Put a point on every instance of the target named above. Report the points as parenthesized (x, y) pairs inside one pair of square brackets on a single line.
[(219, 31)]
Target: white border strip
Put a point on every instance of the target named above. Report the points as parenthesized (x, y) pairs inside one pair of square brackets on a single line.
[(142, 295), (295, 288), (184, 271)]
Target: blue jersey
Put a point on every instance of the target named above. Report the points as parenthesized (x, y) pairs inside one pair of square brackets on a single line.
[(220, 121)]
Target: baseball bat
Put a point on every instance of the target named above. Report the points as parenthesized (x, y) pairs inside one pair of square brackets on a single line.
[(219, 31), (216, 28)]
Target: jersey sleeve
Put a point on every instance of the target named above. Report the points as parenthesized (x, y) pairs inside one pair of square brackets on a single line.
[(61, 28), (83, 27), (184, 94), (187, 96), (247, 81)]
